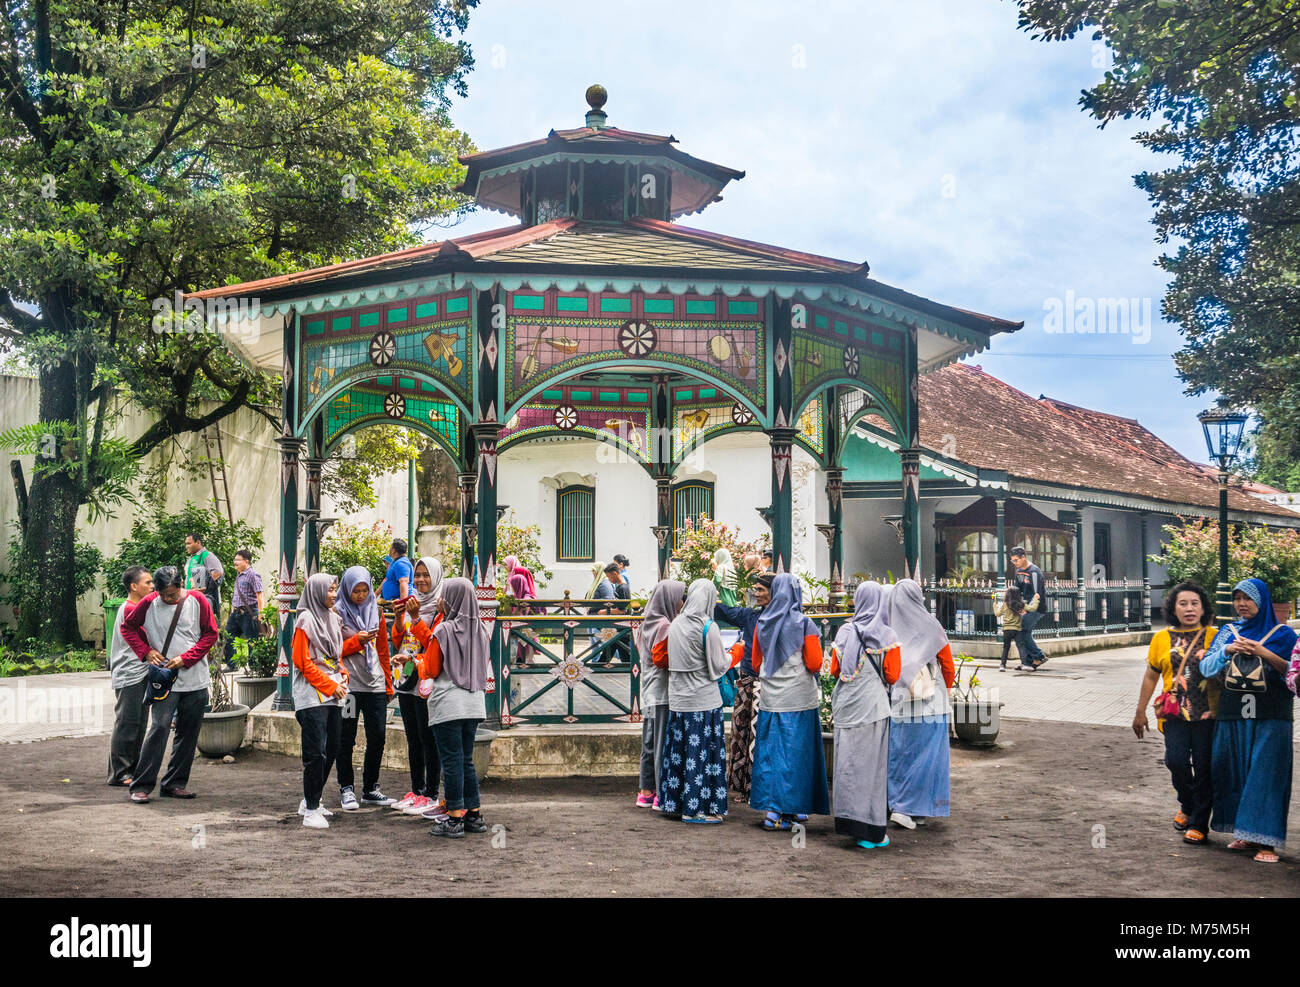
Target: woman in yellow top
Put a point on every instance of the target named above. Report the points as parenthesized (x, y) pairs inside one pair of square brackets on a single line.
[(1188, 720)]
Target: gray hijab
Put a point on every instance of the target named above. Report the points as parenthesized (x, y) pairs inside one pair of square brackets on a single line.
[(868, 628), (461, 636), (658, 616), (920, 636), (689, 648), (429, 600), (323, 627)]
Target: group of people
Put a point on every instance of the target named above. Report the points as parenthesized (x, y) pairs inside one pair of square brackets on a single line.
[(1225, 711), (893, 668)]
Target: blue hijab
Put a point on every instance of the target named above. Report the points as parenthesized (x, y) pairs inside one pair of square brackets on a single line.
[(783, 625), (1281, 643)]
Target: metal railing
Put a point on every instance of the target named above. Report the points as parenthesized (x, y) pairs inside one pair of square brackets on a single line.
[(1071, 607)]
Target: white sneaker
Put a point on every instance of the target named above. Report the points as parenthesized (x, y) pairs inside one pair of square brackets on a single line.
[(405, 802), (902, 819), (348, 799), (302, 809), (315, 820)]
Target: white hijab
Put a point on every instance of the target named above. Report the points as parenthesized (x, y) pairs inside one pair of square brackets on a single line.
[(689, 648)]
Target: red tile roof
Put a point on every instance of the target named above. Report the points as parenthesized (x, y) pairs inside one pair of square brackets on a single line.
[(988, 424)]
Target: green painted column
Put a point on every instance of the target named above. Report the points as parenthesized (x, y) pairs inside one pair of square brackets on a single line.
[(290, 450), (468, 536), (412, 510), (910, 455), (1000, 506), (781, 434), (835, 517), (659, 446), (1223, 593), (489, 328)]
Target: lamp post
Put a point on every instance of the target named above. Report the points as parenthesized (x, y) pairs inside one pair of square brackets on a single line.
[(1223, 440)]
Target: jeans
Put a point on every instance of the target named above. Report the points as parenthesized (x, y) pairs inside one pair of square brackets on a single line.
[(1188, 750), (130, 716), (374, 707), (1030, 652), (421, 748), (1007, 638), (456, 749), (239, 624), (188, 708), (654, 724), (320, 745)]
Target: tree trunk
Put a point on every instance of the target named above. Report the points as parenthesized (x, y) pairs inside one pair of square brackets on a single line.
[(49, 607)]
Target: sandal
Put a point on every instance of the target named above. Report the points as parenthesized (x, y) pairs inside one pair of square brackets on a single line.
[(868, 845), (1195, 837), (1243, 845), (702, 819), (1266, 856), (774, 822), (1180, 822)]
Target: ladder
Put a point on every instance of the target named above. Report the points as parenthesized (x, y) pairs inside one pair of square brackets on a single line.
[(217, 471)]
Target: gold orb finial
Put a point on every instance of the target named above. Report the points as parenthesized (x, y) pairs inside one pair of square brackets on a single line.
[(596, 96)]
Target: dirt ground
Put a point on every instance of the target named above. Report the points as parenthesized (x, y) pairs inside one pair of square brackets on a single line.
[(1026, 822)]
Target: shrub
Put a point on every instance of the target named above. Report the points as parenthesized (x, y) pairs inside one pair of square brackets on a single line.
[(19, 583), (696, 544), (1253, 550), (346, 545), (158, 538), (525, 543)]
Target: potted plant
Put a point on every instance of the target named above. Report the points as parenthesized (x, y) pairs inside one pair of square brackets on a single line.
[(258, 657), (224, 721), (976, 719)]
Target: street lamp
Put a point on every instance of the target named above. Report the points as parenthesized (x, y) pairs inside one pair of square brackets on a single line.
[(1223, 440)]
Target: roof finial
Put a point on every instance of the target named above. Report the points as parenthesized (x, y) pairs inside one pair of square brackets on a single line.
[(596, 96)]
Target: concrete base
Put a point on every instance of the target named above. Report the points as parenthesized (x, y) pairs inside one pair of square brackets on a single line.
[(541, 751), (992, 647)]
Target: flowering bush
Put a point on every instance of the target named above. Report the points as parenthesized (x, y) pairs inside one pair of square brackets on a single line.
[(1253, 550), (523, 542), (696, 544), (346, 545)]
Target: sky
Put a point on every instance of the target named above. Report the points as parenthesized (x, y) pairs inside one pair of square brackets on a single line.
[(931, 138)]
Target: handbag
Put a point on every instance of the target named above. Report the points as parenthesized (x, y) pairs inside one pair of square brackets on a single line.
[(1245, 673), (922, 686), (162, 679), (726, 684), (1166, 706)]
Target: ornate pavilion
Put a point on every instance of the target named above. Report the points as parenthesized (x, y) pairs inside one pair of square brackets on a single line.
[(596, 315)]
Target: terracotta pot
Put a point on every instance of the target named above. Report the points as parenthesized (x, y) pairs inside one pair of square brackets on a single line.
[(1281, 612)]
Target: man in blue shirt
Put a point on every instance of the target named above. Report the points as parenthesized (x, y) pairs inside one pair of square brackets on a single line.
[(401, 574)]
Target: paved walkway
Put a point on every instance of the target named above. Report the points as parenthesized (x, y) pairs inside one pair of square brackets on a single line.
[(40, 707), (1098, 687)]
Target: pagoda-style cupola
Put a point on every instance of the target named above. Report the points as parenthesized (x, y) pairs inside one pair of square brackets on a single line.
[(595, 172)]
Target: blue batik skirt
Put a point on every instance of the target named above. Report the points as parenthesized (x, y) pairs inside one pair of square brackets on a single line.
[(789, 764), (1251, 771), (694, 775)]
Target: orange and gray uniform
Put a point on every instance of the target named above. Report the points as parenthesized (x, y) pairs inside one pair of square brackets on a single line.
[(316, 679), (793, 687)]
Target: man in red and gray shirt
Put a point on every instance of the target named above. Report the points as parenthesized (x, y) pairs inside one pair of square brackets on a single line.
[(146, 629), (1029, 579)]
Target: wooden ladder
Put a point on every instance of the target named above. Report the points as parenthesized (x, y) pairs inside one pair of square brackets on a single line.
[(217, 471)]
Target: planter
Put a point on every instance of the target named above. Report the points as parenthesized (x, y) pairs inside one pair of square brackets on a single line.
[(483, 751), (223, 733), (251, 690), (828, 741), (1281, 612), (977, 721)]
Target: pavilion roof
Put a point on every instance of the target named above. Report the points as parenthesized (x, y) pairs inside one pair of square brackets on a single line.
[(991, 425)]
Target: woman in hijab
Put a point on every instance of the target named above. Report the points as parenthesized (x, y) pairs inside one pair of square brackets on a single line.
[(370, 680), (693, 783), (320, 684), (865, 662), (521, 588), (724, 577), (789, 782), (516, 568), (651, 634), (412, 693), (456, 657), (918, 732), (1250, 766)]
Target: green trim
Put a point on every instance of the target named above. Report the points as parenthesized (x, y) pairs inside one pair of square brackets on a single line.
[(657, 306), (616, 305), (531, 303), (367, 320), (426, 309)]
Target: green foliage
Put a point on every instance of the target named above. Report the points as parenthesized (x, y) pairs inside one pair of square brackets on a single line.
[(109, 469), (346, 545), (697, 544), (349, 477), (157, 538), (523, 542), (34, 658), (1222, 80), (21, 589), (1192, 553), (815, 591)]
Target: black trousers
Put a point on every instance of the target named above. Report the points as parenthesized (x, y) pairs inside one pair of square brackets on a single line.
[(130, 716), (421, 748), (187, 708), (456, 747), (320, 744), (1188, 749), (1007, 638), (373, 707), (240, 623)]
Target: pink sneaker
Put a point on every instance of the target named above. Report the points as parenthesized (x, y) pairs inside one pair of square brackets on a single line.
[(644, 801), (418, 805), (655, 806), (406, 800)]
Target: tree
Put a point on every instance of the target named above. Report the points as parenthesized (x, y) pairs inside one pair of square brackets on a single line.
[(349, 477), (1224, 80), (155, 147)]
